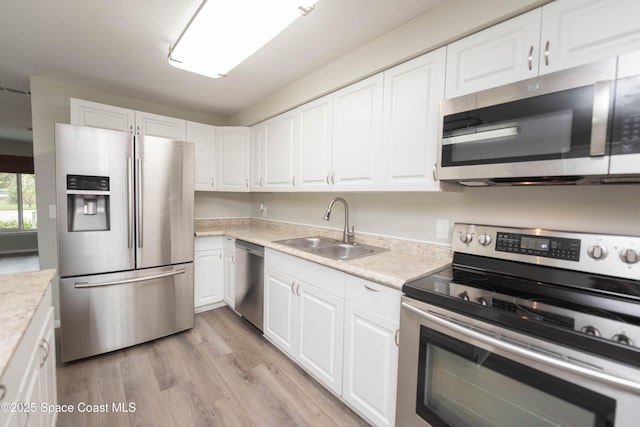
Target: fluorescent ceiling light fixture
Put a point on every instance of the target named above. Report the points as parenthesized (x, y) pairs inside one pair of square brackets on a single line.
[(223, 33)]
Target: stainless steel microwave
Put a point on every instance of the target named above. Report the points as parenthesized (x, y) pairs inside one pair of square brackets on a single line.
[(576, 126)]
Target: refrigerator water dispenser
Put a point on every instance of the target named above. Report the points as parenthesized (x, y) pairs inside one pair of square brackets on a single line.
[(88, 203)]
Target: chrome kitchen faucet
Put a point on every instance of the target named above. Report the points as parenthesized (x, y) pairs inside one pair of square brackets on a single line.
[(347, 236)]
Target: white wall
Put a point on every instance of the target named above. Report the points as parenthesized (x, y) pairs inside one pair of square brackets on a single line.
[(222, 205), (611, 209)]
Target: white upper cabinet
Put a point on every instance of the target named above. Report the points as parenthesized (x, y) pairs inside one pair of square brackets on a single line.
[(279, 149), (314, 124), (576, 32), (256, 181), (412, 95), (87, 113), (232, 158), (203, 137), (163, 126), (560, 35), (357, 131), (505, 53)]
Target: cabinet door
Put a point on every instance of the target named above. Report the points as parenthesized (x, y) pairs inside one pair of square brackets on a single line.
[(279, 148), (576, 32), (370, 365), (313, 169), (87, 113), (280, 310), (504, 53), (257, 158), (203, 137), (320, 335), (162, 126), (208, 277), (48, 390), (357, 131), (230, 272), (412, 95), (232, 161)]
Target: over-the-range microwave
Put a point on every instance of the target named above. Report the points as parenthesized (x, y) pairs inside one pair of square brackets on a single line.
[(576, 126)]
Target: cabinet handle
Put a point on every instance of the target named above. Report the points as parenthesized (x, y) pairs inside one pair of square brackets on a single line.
[(333, 178), (137, 130), (293, 284), (369, 288), (530, 59), (298, 289), (131, 129), (546, 53), (260, 181), (233, 259), (213, 182), (435, 172), (246, 183), (293, 180), (396, 337), (220, 255), (327, 178), (3, 391), (44, 345)]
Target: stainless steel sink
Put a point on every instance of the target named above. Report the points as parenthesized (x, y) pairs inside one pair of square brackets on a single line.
[(308, 242), (330, 248)]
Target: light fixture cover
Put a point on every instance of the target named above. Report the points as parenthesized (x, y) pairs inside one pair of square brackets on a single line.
[(223, 33)]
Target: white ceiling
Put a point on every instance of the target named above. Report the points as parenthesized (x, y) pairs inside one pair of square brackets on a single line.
[(120, 47)]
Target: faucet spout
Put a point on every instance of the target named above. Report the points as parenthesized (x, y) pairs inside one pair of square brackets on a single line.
[(347, 235)]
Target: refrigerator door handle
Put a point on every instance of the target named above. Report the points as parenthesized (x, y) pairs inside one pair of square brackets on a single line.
[(81, 285), (130, 204), (139, 200)]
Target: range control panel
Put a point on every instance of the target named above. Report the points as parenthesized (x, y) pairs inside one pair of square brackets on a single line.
[(606, 254), (549, 247)]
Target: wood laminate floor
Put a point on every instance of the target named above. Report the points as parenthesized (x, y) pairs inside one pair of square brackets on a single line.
[(221, 373)]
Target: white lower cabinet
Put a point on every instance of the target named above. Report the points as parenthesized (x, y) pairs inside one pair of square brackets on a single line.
[(341, 329), (304, 314), (372, 319), (208, 273), (230, 271), (28, 384)]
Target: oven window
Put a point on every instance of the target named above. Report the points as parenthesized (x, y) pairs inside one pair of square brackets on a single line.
[(461, 385), (553, 126)]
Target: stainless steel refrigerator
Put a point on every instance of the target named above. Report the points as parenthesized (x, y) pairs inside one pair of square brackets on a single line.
[(125, 238)]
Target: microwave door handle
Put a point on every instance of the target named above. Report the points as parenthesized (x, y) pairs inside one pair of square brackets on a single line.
[(530, 355), (601, 101)]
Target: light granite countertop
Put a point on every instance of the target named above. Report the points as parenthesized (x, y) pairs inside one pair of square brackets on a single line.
[(404, 260), (20, 295)]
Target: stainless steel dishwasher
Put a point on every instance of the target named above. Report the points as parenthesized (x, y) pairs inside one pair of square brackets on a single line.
[(249, 291)]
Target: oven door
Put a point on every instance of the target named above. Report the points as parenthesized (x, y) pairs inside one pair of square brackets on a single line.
[(551, 127), (455, 371)]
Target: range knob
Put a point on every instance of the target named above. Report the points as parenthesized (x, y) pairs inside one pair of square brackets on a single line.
[(629, 256), (590, 330), (464, 296), (623, 339), (597, 252), (466, 237), (484, 239), (482, 301)]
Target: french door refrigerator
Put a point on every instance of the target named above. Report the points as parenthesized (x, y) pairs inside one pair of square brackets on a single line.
[(125, 238)]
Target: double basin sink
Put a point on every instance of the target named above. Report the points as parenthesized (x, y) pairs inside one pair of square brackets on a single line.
[(330, 248)]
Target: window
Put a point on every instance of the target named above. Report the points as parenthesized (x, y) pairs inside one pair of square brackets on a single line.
[(17, 194)]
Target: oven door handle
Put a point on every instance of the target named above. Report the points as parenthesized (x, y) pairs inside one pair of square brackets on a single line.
[(528, 354)]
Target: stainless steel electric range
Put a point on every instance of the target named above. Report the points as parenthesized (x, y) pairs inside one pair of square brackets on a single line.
[(528, 327)]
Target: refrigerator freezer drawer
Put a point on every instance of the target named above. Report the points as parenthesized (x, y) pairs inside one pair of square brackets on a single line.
[(102, 313)]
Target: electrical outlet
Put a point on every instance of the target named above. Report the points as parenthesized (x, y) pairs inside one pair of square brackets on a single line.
[(442, 229), (263, 209)]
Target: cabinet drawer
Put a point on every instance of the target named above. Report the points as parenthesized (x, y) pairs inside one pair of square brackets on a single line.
[(380, 299), (325, 278), (207, 243)]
